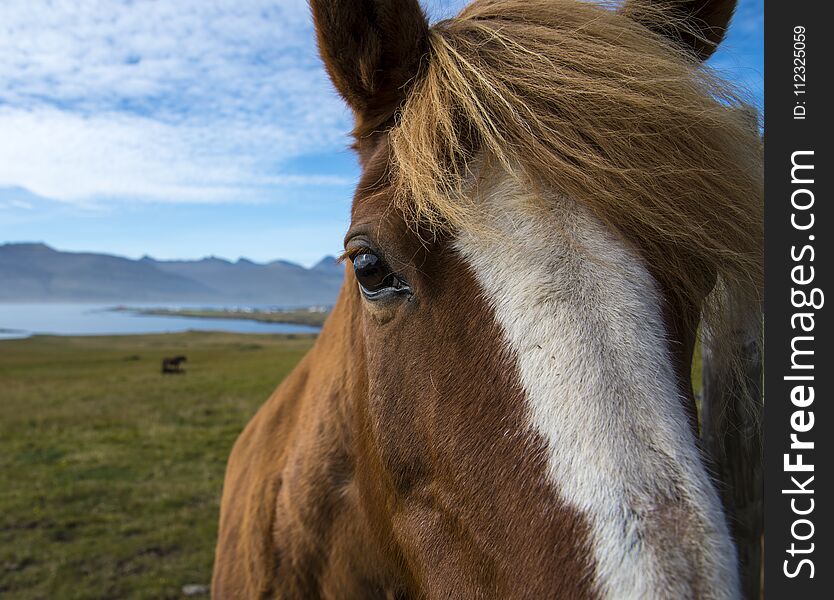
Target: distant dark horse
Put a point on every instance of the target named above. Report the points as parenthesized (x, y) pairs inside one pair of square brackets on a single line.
[(173, 365)]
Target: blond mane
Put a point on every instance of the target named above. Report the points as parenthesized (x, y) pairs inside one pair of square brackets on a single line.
[(585, 102)]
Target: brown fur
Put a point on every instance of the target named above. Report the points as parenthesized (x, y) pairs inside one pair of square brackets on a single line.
[(396, 461), (346, 485)]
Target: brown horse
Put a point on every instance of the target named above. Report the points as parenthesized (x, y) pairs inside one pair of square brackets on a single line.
[(553, 195)]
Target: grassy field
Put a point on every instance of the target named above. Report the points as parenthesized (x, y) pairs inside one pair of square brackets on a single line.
[(110, 473)]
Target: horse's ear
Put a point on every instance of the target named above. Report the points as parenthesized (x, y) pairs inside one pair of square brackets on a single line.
[(372, 49), (698, 26)]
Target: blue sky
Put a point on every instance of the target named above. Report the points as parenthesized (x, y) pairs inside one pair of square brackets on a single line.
[(188, 128)]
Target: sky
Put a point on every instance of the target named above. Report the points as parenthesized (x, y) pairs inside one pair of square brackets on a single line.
[(189, 128)]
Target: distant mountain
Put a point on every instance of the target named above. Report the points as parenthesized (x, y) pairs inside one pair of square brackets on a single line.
[(329, 264), (39, 273)]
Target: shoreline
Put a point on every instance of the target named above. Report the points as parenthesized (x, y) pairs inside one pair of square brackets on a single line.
[(196, 334), (124, 319), (309, 317)]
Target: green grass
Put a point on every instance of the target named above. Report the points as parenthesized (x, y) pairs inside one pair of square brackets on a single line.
[(110, 473)]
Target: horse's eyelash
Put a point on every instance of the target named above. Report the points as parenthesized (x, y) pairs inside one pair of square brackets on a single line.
[(350, 254)]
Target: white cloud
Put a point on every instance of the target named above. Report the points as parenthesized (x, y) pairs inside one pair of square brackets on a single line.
[(166, 101), (177, 100), (16, 203), (76, 158)]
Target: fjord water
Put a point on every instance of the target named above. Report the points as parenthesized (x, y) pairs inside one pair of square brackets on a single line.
[(23, 320)]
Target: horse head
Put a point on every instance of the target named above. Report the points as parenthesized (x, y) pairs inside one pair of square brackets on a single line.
[(553, 194)]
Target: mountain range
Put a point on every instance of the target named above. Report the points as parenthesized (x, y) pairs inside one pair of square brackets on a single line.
[(35, 272)]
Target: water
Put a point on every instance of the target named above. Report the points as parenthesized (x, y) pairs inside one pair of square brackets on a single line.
[(23, 320)]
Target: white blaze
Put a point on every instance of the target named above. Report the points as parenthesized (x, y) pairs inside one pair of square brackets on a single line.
[(583, 317)]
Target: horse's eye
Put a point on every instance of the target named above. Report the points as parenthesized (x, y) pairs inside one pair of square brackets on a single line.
[(370, 271), (374, 276)]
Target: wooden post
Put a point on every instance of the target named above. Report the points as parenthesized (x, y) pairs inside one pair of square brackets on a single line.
[(731, 412)]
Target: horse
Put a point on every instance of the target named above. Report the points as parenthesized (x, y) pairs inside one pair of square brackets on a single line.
[(173, 365), (553, 195)]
